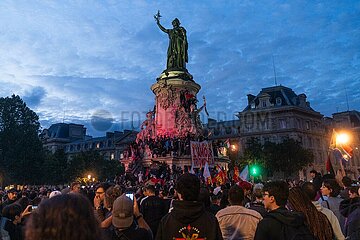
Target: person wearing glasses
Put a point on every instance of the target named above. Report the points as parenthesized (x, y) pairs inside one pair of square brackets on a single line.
[(280, 223)]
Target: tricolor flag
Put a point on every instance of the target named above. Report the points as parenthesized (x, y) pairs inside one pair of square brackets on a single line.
[(244, 175)]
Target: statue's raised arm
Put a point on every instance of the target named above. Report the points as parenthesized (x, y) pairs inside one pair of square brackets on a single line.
[(177, 55), (157, 18)]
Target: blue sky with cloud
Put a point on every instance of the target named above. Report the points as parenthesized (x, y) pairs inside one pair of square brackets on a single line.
[(74, 60)]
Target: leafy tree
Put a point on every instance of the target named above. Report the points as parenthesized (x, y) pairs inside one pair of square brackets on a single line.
[(54, 168), (21, 149), (287, 157), (92, 162), (253, 153)]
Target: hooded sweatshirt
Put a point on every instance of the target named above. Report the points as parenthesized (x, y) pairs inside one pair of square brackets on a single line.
[(350, 208), (272, 225), (189, 220)]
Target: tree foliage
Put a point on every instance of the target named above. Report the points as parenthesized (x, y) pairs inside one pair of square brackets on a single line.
[(24, 161), (287, 157), (20, 146), (92, 162), (253, 153)]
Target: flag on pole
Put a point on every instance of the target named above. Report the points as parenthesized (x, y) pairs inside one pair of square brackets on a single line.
[(244, 175), (192, 169), (227, 143), (206, 173), (236, 176), (329, 167), (220, 175)]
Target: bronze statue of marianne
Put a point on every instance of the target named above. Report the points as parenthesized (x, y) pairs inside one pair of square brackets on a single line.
[(177, 55)]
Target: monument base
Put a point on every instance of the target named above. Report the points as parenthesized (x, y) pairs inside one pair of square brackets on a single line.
[(181, 161)]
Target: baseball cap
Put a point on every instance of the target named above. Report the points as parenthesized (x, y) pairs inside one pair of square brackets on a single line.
[(54, 193), (123, 212)]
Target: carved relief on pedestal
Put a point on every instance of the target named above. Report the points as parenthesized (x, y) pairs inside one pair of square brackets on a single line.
[(182, 121), (147, 127), (165, 95)]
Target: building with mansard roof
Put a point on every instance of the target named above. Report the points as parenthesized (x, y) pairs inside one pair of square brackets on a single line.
[(274, 114), (72, 139)]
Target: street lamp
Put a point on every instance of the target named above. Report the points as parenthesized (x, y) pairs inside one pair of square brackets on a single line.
[(342, 138), (89, 177), (233, 147)]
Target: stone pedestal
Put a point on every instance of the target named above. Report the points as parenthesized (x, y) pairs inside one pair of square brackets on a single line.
[(174, 92)]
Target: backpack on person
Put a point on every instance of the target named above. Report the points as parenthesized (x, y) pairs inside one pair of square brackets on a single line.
[(297, 233), (4, 235)]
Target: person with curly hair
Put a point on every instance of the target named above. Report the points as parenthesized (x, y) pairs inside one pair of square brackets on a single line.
[(316, 221), (66, 216)]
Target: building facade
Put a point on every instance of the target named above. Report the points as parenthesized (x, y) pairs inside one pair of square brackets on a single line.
[(72, 139), (275, 114)]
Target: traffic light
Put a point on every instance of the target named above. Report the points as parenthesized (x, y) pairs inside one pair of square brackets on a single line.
[(254, 170)]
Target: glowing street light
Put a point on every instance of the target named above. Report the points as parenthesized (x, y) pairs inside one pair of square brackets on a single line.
[(89, 177), (342, 138), (233, 147)]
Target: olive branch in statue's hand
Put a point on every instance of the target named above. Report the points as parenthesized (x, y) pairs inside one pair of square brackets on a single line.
[(157, 16)]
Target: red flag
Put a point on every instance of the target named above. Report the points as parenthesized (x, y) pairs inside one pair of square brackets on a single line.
[(329, 167), (147, 172), (220, 177), (236, 176)]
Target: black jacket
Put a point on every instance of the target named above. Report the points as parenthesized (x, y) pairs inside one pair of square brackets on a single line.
[(133, 232), (271, 227), (189, 220), (350, 208), (153, 209)]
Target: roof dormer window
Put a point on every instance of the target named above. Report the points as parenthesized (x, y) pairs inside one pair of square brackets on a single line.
[(263, 103)]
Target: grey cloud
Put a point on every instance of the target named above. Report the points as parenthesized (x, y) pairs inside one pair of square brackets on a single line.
[(34, 96)]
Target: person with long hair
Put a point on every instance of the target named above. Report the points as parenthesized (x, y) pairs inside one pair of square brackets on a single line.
[(316, 221), (66, 216)]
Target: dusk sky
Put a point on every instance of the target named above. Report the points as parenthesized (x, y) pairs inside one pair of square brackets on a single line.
[(73, 61)]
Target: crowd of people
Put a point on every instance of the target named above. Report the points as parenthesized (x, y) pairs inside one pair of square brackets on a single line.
[(163, 146), (184, 208)]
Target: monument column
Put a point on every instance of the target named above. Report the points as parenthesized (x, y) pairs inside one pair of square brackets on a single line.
[(175, 92)]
